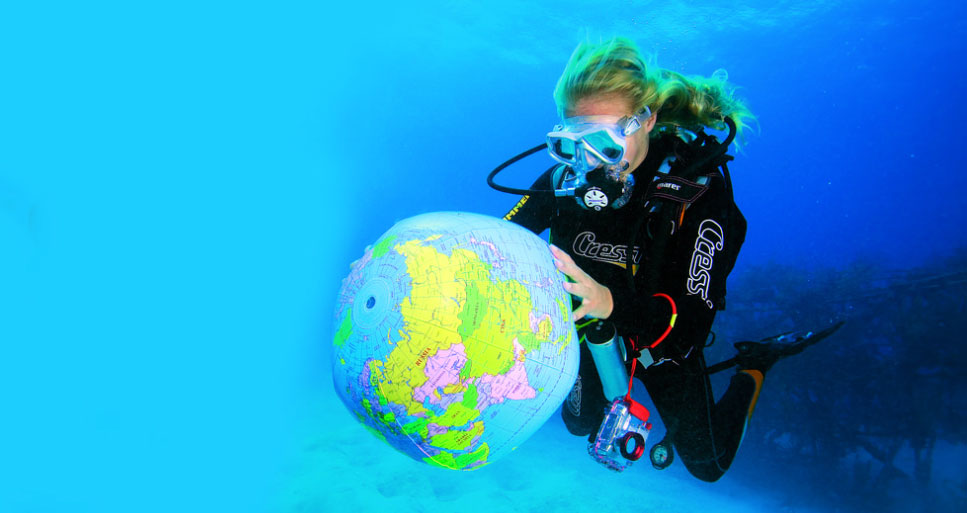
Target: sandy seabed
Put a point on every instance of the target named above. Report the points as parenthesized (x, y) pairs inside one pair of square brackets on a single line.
[(345, 468)]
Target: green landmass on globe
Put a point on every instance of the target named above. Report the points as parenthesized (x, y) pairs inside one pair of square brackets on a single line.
[(454, 340)]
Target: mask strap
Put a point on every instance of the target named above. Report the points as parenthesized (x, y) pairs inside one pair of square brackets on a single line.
[(626, 121)]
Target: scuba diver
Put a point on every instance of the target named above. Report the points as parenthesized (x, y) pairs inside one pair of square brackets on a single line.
[(643, 224)]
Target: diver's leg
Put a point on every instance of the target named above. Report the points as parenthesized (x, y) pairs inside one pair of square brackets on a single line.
[(734, 409), (733, 412), (705, 435), (584, 407)]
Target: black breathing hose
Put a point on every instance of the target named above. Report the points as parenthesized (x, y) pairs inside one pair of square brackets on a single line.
[(511, 190)]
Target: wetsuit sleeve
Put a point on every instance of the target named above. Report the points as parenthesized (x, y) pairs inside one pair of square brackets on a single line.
[(696, 263), (534, 211)]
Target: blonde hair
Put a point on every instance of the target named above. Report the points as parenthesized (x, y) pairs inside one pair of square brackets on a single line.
[(616, 67)]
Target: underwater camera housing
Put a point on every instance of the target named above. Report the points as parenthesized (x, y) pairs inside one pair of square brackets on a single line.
[(621, 438)]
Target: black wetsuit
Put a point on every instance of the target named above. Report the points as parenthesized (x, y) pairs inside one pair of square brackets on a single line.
[(693, 268)]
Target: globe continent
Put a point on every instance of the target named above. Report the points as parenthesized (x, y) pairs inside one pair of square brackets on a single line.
[(454, 339)]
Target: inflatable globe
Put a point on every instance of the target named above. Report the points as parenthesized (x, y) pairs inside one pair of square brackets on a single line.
[(454, 339)]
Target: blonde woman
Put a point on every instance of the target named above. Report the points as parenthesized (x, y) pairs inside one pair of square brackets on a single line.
[(643, 223)]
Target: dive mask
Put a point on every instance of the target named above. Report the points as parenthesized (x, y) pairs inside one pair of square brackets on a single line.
[(586, 142)]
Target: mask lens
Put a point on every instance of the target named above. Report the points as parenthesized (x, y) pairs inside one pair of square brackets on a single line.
[(604, 144), (563, 148), (611, 153)]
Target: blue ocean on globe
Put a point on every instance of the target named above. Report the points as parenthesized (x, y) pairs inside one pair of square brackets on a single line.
[(185, 186)]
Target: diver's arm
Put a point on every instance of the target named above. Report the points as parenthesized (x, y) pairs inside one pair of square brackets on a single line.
[(534, 211), (704, 253), (639, 313)]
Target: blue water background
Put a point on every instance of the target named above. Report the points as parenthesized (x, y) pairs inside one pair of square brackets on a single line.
[(183, 186)]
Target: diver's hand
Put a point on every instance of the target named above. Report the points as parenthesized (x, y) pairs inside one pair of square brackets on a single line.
[(596, 300)]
